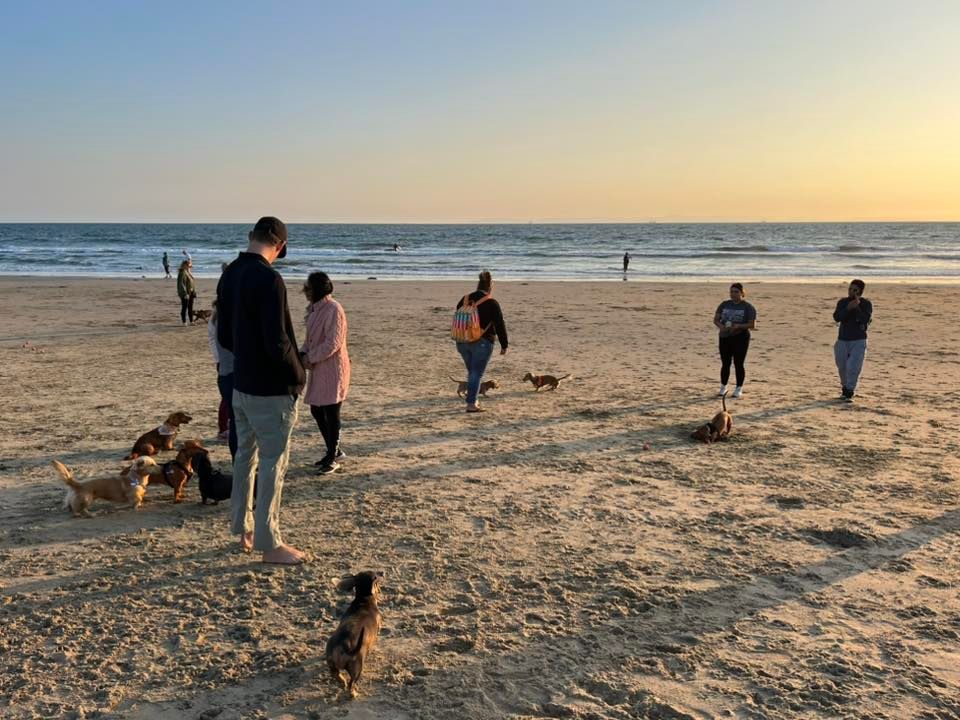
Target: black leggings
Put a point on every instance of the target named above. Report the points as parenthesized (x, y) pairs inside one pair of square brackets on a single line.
[(186, 308), (328, 420), (733, 348)]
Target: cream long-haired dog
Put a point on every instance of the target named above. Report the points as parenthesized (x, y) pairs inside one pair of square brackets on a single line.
[(127, 487)]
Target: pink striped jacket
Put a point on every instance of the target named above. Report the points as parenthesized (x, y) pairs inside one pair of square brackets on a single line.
[(326, 353)]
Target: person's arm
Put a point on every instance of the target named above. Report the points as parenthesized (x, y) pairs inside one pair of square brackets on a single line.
[(751, 320), (865, 312), (334, 332), (716, 317), (273, 317), (500, 326), (841, 310), (212, 340), (224, 319)]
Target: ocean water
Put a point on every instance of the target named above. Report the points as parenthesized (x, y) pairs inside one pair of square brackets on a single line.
[(530, 252)]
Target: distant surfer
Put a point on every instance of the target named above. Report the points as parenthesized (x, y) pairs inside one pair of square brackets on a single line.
[(626, 261), (396, 247), (166, 266)]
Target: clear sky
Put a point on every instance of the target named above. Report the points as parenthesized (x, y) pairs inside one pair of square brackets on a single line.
[(480, 111)]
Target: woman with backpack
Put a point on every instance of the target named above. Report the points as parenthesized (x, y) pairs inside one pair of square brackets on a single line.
[(476, 322)]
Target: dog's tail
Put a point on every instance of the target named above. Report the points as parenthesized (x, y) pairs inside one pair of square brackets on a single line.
[(723, 401), (454, 379), (568, 375), (66, 474)]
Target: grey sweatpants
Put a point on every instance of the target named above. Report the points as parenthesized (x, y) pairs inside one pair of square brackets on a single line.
[(849, 355), (264, 426)]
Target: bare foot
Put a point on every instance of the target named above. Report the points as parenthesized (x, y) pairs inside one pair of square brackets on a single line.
[(246, 542), (284, 555)]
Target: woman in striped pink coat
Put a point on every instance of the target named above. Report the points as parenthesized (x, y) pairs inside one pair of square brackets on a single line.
[(325, 355)]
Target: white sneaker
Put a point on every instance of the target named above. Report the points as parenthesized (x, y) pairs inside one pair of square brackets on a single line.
[(722, 391), (738, 391)]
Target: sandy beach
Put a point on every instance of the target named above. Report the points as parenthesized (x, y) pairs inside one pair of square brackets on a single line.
[(568, 554)]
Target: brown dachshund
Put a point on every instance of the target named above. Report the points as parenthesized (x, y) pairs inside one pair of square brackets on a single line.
[(718, 428), (127, 486), (548, 381), (161, 438), (484, 386), (178, 471), (357, 633)]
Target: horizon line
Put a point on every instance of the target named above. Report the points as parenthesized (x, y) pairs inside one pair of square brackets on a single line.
[(652, 221)]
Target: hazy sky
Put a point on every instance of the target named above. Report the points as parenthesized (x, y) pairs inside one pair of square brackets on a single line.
[(480, 111)]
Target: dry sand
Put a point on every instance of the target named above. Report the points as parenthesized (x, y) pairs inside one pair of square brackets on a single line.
[(566, 554)]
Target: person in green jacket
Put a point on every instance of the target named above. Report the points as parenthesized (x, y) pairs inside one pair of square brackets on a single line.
[(187, 290)]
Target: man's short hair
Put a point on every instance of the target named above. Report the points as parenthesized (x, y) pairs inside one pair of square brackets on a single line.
[(859, 283), (270, 231)]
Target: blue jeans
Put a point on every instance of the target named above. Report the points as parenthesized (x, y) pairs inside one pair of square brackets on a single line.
[(475, 356), (225, 385)]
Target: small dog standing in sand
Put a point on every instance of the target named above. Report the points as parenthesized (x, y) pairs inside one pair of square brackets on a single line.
[(717, 429), (126, 487), (178, 471), (161, 438), (548, 381), (484, 386), (357, 633)]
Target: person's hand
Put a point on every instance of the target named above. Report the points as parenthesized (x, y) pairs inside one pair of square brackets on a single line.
[(503, 351), (854, 303)]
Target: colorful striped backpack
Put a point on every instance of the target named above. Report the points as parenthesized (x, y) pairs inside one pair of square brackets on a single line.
[(466, 321)]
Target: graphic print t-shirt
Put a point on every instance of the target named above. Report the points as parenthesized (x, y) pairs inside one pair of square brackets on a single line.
[(737, 313)]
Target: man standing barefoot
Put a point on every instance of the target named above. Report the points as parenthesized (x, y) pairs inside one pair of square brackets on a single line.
[(854, 314), (254, 323)]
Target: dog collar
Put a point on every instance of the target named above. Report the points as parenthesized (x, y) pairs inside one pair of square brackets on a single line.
[(167, 429), (133, 478)]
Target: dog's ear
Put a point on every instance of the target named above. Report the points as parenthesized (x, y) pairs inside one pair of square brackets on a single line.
[(347, 584)]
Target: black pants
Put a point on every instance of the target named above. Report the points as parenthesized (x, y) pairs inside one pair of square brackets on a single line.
[(328, 420), (733, 348), (186, 308)]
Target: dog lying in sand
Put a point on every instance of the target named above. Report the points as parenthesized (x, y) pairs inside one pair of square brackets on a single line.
[(202, 315), (717, 429), (484, 386), (178, 471), (127, 487), (357, 633), (548, 381), (161, 438)]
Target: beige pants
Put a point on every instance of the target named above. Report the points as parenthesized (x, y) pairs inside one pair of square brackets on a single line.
[(264, 426)]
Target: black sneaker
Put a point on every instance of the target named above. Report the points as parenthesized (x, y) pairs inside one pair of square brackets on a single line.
[(327, 469), (325, 460)]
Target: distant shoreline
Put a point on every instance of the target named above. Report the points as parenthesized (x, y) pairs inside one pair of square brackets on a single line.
[(873, 281)]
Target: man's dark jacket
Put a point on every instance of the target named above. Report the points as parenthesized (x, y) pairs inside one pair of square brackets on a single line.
[(253, 321)]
